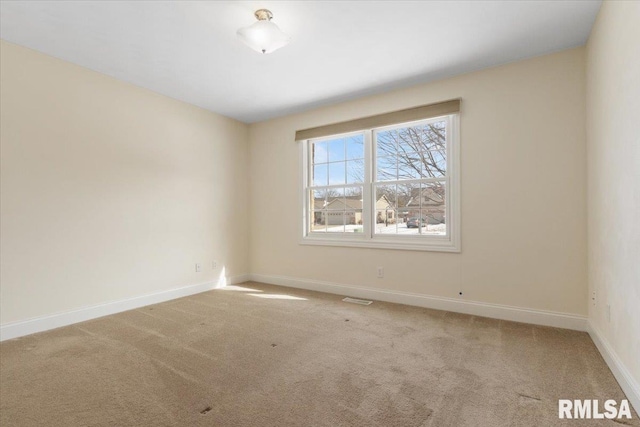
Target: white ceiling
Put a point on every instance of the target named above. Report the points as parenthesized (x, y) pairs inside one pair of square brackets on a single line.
[(188, 50)]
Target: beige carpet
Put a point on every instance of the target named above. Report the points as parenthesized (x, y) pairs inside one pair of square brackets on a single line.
[(255, 357)]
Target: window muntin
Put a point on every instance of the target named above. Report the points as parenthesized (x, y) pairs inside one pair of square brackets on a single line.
[(389, 187)]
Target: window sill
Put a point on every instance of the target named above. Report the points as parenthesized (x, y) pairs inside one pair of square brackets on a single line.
[(433, 245)]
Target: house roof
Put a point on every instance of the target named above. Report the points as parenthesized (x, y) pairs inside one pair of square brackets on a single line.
[(426, 196), (348, 202)]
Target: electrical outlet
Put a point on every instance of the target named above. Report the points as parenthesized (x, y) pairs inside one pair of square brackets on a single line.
[(198, 267), (380, 272), (214, 264), (593, 298)]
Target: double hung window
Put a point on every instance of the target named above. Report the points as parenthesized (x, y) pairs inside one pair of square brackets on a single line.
[(390, 186)]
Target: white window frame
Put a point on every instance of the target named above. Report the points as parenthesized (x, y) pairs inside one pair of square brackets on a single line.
[(368, 239)]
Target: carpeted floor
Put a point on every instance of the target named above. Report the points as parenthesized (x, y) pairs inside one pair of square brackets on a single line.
[(260, 355)]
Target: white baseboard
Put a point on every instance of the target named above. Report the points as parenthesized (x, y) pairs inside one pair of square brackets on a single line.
[(496, 311), (45, 323), (627, 383)]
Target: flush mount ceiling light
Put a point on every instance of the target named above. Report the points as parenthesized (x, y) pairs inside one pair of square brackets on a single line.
[(263, 36)]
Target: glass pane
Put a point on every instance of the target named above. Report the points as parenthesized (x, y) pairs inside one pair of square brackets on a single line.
[(355, 171), (409, 140), (320, 176), (434, 164), (317, 221), (385, 221), (385, 205), (387, 168), (408, 208), (434, 136), (319, 152), (353, 221), (433, 208), (318, 199), (354, 193), (337, 173), (335, 222), (385, 197), (355, 147), (408, 198), (386, 143), (336, 150), (335, 199), (353, 198), (409, 166)]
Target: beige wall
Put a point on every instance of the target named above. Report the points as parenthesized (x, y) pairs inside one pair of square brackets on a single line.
[(110, 191), (613, 129), (523, 192)]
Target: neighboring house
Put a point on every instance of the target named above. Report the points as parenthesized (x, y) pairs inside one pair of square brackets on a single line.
[(428, 203), (344, 210), (385, 211), (348, 210)]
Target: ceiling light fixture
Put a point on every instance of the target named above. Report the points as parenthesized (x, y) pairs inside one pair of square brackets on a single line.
[(263, 36)]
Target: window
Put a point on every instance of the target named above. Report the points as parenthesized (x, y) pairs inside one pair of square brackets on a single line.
[(392, 186), (337, 179)]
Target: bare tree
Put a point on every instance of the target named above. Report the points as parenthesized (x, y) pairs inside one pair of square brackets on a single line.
[(420, 151), (413, 152)]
